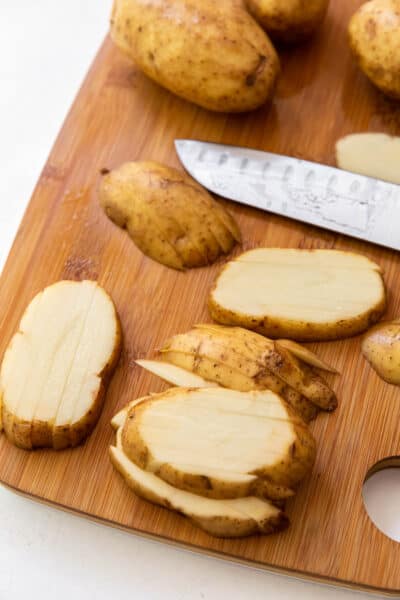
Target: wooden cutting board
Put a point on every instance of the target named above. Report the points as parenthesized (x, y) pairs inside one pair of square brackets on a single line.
[(119, 115)]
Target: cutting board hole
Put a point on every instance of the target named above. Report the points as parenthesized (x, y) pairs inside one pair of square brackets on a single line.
[(381, 496)]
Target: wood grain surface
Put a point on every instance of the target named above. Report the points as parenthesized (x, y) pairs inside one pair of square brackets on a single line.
[(119, 115)]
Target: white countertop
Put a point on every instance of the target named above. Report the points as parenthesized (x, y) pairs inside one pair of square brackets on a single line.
[(46, 47)]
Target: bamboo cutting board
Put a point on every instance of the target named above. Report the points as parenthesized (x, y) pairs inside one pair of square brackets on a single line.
[(119, 115)]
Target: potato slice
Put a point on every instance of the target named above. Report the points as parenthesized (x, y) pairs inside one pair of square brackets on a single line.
[(170, 217), (306, 356), (243, 360), (371, 154), (381, 347), (222, 518), (173, 374), (220, 437), (119, 418), (300, 377), (306, 295), (169, 373), (55, 370)]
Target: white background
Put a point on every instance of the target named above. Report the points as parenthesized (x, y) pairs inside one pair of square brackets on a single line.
[(46, 47)]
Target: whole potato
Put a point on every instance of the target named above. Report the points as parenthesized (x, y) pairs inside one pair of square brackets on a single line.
[(211, 53), (288, 20), (374, 35)]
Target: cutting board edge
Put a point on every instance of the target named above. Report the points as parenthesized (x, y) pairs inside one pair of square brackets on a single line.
[(291, 573)]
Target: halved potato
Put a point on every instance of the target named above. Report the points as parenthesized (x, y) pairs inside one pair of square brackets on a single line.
[(169, 216), (306, 295), (371, 154), (381, 347), (54, 372), (222, 518), (219, 443)]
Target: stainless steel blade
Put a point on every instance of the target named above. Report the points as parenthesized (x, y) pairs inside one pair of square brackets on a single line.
[(331, 198)]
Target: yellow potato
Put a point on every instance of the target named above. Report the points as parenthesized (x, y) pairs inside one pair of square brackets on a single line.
[(170, 217), (210, 53), (290, 20), (381, 347), (374, 36), (243, 360)]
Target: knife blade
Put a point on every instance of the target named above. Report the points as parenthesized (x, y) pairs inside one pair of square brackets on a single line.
[(338, 200)]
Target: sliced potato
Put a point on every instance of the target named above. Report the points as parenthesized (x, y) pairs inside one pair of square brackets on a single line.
[(173, 374), (54, 372), (306, 356), (222, 518), (306, 295), (220, 438), (381, 347), (243, 360), (170, 217), (119, 418), (300, 377), (371, 154)]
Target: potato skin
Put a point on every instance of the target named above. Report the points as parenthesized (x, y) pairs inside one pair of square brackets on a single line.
[(219, 526), (289, 21), (237, 359), (374, 38), (211, 53), (298, 330), (170, 217)]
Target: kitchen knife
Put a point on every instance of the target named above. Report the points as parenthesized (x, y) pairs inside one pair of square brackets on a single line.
[(331, 198)]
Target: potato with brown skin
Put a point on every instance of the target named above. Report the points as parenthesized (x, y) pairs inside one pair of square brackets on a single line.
[(170, 217), (374, 37), (222, 518), (211, 53), (243, 360), (303, 295), (225, 444), (289, 21), (381, 347)]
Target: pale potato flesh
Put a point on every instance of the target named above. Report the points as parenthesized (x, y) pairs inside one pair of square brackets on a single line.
[(374, 37), (119, 418), (222, 518), (191, 437), (307, 356), (381, 347), (300, 294), (170, 218), (173, 374), (371, 154), (52, 372), (289, 20), (210, 53)]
